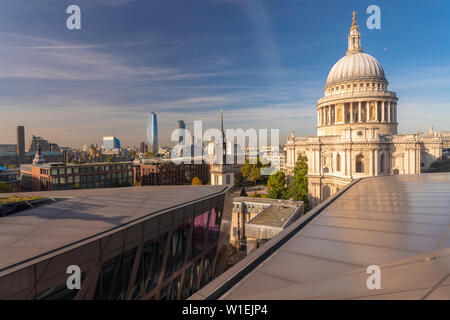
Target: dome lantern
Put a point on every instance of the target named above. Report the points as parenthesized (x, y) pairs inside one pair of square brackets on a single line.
[(354, 38)]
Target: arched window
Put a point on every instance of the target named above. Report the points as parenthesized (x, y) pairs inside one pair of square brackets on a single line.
[(338, 163), (382, 163), (360, 164)]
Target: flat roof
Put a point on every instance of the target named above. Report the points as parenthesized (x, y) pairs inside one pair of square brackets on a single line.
[(267, 201), (85, 213), (274, 216), (400, 223)]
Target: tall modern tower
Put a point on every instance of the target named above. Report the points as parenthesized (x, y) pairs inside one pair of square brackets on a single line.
[(152, 133), (20, 145), (180, 125)]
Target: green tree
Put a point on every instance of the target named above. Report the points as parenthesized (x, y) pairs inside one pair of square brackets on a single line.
[(5, 188), (277, 186), (252, 171), (12, 166), (133, 154), (439, 166), (243, 192), (76, 186), (150, 154), (196, 182), (298, 189)]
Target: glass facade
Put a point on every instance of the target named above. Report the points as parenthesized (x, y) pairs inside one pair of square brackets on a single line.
[(152, 133), (111, 143), (171, 266), (168, 256)]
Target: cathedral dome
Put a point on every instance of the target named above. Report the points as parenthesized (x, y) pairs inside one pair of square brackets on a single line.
[(356, 65)]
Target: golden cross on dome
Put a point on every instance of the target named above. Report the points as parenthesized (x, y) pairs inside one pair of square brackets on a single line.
[(354, 18)]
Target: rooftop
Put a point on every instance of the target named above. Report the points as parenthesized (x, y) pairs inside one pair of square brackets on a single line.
[(62, 164), (84, 214), (400, 223), (267, 201), (274, 216)]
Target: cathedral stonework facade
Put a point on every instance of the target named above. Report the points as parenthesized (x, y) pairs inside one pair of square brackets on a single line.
[(357, 129)]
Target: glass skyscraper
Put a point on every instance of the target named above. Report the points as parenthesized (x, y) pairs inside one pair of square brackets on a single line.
[(152, 133), (111, 143), (181, 125)]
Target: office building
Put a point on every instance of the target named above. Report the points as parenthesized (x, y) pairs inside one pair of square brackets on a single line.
[(182, 126), (152, 133), (143, 148), (10, 177), (157, 171), (20, 145), (110, 143), (129, 243), (46, 146), (256, 220), (61, 176)]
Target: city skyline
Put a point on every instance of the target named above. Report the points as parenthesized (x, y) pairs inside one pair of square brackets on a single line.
[(265, 63)]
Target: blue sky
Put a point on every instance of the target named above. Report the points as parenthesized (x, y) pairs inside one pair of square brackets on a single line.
[(264, 61)]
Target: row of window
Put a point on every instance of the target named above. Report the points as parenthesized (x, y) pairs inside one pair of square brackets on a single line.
[(359, 163), (89, 169), (114, 278), (92, 178), (101, 184)]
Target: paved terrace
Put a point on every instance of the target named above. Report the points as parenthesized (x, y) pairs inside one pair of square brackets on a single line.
[(400, 223), (81, 214)]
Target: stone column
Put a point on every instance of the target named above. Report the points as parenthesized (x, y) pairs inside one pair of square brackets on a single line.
[(359, 111), (351, 112), (371, 163), (383, 110), (377, 160)]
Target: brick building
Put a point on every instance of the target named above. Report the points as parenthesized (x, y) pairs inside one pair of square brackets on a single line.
[(60, 176), (155, 171)]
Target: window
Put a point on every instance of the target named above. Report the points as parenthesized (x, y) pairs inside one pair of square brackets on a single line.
[(214, 226), (106, 279), (54, 172), (360, 163), (177, 250), (198, 234), (76, 170), (69, 170)]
